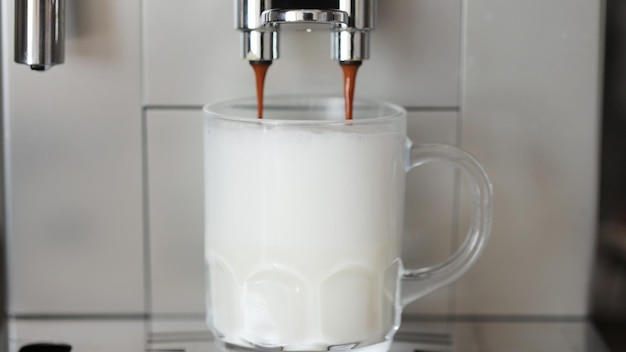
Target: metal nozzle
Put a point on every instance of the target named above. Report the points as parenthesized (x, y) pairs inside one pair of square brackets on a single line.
[(40, 33), (348, 20), (350, 46), (260, 45)]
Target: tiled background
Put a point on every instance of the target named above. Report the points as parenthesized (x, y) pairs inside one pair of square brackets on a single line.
[(103, 154)]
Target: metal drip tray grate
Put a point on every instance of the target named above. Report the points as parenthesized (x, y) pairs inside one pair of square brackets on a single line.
[(416, 336), (202, 341)]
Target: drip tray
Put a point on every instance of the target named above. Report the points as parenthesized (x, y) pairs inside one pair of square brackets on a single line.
[(419, 336)]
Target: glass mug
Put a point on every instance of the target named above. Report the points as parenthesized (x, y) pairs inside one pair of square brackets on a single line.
[(304, 223)]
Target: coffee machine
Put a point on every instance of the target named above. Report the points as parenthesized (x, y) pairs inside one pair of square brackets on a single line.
[(102, 170)]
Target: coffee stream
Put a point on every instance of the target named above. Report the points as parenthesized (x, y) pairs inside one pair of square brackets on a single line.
[(260, 71), (350, 69)]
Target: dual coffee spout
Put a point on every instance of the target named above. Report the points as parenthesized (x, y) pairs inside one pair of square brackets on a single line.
[(349, 22), (39, 24)]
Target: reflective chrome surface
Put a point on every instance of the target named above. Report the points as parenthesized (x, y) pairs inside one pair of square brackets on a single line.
[(40, 33), (260, 45), (349, 22), (278, 16), (350, 46)]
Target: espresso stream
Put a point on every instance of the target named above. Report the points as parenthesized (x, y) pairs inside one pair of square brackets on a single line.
[(350, 69), (260, 71)]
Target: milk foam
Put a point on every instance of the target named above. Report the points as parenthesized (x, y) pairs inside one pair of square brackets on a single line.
[(302, 235)]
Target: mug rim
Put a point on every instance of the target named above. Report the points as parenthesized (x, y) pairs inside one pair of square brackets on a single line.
[(212, 109)]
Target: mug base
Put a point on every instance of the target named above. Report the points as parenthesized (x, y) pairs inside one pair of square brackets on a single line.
[(379, 347)]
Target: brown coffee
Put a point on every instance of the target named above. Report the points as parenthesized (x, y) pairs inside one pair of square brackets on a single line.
[(260, 71), (350, 69)]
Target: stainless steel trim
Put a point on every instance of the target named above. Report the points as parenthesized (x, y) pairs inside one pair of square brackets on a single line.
[(260, 45), (4, 325), (349, 22), (278, 16), (350, 46)]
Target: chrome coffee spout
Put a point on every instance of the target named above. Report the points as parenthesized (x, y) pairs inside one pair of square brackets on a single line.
[(349, 22), (40, 33)]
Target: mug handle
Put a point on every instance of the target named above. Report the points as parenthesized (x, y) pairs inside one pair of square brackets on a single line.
[(421, 282)]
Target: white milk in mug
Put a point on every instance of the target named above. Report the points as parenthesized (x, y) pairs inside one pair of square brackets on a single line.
[(303, 234), (304, 217)]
